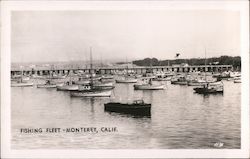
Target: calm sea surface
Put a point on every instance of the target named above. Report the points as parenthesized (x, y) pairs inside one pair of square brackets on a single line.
[(180, 119)]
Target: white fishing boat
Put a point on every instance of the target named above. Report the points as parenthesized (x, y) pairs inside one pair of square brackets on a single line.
[(210, 87), (58, 76), (196, 82), (90, 93), (104, 77), (38, 77), (82, 82), (182, 80), (126, 80), (68, 86), (91, 90), (237, 80), (22, 81), (21, 84), (148, 85), (49, 84)]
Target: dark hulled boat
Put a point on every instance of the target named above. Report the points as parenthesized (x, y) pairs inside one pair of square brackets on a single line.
[(137, 108), (210, 88)]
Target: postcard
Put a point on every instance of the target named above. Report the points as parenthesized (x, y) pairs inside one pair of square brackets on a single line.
[(125, 79)]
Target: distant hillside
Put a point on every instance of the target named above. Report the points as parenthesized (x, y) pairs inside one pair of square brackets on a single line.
[(223, 60)]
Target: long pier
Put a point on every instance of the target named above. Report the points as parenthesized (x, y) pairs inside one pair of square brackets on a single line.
[(115, 69)]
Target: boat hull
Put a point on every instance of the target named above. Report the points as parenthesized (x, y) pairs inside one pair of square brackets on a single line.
[(132, 109), (22, 84), (91, 93), (67, 88), (237, 81), (148, 87), (162, 79), (126, 81), (82, 82), (196, 83), (179, 82), (46, 86), (207, 91)]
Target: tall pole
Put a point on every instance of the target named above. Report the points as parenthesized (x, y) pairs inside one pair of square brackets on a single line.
[(205, 63), (91, 67)]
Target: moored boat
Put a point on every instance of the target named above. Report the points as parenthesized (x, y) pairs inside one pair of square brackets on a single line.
[(91, 93), (162, 79), (149, 86), (210, 88), (21, 84), (48, 84), (196, 82), (92, 89), (126, 80), (237, 80), (137, 108), (21, 81), (67, 87), (179, 80)]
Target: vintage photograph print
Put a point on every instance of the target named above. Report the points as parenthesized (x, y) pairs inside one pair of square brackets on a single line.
[(133, 77)]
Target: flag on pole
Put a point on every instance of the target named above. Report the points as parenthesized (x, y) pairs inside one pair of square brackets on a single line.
[(177, 55)]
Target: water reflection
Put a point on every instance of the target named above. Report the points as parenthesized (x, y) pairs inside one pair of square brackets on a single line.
[(179, 118)]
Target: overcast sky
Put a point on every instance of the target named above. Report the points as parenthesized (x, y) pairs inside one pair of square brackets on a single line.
[(41, 36)]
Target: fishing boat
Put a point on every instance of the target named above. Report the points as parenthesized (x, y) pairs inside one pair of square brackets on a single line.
[(107, 77), (196, 82), (92, 90), (137, 108), (162, 79), (148, 82), (148, 85), (103, 85), (67, 86), (58, 76), (237, 80), (182, 80), (221, 76), (209, 88), (35, 76), (22, 81), (49, 84), (126, 80), (81, 82), (91, 93), (21, 84)]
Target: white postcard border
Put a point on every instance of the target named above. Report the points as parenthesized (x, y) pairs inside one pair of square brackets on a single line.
[(8, 6)]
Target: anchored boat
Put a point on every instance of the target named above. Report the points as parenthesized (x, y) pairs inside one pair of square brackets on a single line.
[(91, 93), (149, 86), (209, 88), (179, 80), (22, 81), (237, 80), (126, 80), (137, 108), (21, 84), (93, 90), (68, 86), (49, 84)]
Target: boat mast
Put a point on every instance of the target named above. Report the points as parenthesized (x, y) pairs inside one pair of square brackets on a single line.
[(205, 64), (21, 74), (127, 68), (91, 67)]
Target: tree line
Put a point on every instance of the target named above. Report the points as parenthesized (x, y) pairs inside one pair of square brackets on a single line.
[(235, 61)]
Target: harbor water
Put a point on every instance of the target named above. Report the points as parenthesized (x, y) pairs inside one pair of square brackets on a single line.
[(180, 119)]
